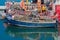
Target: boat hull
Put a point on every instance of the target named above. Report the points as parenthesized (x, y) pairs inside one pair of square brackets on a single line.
[(30, 24)]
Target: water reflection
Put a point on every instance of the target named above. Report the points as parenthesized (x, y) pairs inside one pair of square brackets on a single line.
[(31, 33), (14, 31)]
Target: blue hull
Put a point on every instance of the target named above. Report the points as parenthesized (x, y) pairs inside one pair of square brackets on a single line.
[(30, 24)]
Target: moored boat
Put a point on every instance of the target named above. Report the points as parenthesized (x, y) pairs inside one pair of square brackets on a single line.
[(30, 14)]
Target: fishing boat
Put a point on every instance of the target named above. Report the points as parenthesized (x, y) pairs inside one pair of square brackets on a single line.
[(29, 14)]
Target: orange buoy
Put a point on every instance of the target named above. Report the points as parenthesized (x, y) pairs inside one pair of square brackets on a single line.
[(5, 24), (3, 17)]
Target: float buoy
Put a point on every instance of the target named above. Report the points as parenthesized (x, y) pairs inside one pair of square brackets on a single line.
[(5, 24), (3, 17)]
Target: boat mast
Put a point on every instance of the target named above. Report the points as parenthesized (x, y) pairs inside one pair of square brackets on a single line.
[(39, 5)]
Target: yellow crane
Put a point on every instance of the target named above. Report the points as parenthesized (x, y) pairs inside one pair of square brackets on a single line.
[(26, 1)]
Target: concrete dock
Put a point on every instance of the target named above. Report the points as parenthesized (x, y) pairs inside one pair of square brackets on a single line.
[(2, 7)]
